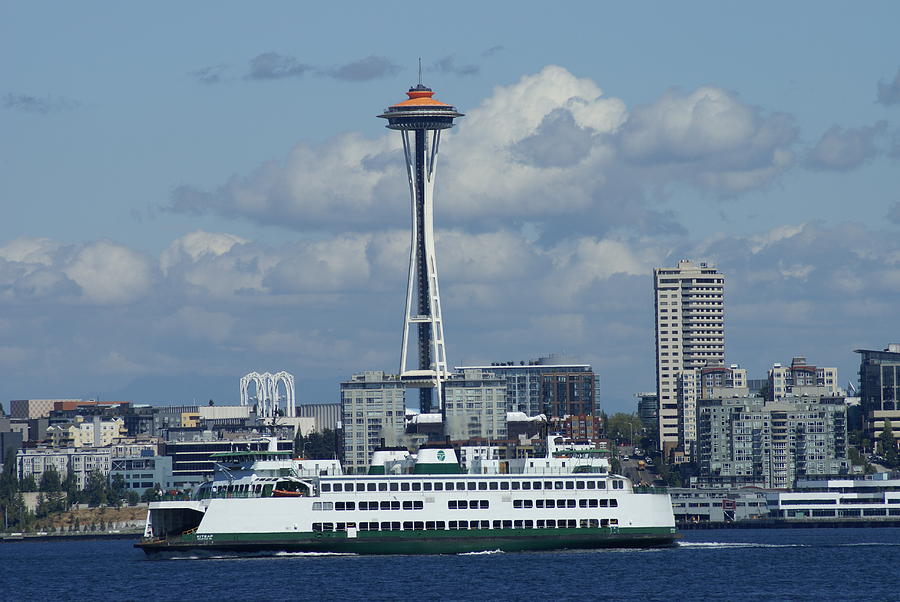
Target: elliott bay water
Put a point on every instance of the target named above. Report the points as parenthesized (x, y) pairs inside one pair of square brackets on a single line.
[(767, 564)]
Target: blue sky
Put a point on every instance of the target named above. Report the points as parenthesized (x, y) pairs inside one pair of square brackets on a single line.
[(196, 191)]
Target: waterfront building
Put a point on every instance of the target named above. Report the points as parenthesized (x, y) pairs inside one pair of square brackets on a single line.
[(32, 462), (475, 405), (373, 412), (420, 120), (879, 388), (144, 471), (192, 460), (582, 427), (553, 384), (746, 441), (696, 505), (690, 333), (327, 415), (862, 498), (800, 379)]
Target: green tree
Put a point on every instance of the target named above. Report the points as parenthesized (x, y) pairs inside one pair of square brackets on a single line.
[(888, 445), (151, 494), (28, 484), (132, 497), (50, 481), (95, 489), (623, 427), (317, 446), (117, 490)]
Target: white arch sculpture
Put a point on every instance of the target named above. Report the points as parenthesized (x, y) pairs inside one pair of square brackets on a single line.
[(267, 398)]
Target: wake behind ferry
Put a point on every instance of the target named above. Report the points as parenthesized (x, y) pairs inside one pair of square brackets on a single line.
[(412, 504)]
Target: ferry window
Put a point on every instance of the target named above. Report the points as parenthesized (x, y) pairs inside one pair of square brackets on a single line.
[(385, 505), (326, 487), (498, 524), (482, 486), (613, 503), (395, 505), (395, 526), (418, 505), (382, 486), (592, 503), (404, 486), (407, 526), (317, 505), (364, 505), (453, 525), (526, 485), (338, 487), (540, 524), (394, 486), (603, 503), (470, 486), (613, 521), (438, 486), (583, 523), (579, 484), (419, 525), (426, 486), (507, 524), (594, 523), (570, 503), (463, 524), (328, 526), (339, 505), (582, 504), (494, 486), (515, 485), (451, 505), (363, 526), (601, 484), (570, 484), (504, 486), (529, 524), (558, 484), (407, 505), (462, 504), (551, 524), (360, 486), (485, 504), (429, 525), (518, 524), (350, 505), (461, 486), (370, 486), (440, 525), (591, 484), (327, 506), (385, 526), (550, 503), (604, 522), (317, 526), (484, 524), (539, 503), (548, 484), (527, 504), (517, 503), (341, 527), (417, 486)]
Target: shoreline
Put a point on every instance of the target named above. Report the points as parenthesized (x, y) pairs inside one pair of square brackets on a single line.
[(764, 523), (40, 536)]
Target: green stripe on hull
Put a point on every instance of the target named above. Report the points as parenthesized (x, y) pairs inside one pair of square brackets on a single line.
[(421, 542)]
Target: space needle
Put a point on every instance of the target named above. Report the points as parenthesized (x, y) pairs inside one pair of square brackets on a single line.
[(420, 120)]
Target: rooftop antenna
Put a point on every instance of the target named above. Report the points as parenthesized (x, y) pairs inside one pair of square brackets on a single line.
[(420, 71)]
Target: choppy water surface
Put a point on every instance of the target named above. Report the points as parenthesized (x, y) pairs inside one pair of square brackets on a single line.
[(797, 564)]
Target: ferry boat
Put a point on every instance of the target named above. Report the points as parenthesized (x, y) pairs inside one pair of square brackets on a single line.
[(422, 504)]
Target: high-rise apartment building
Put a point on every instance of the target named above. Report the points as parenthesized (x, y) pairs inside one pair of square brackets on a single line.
[(475, 406), (373, 413), (551, 384), (800, 379), (879, 388), (690, 333)]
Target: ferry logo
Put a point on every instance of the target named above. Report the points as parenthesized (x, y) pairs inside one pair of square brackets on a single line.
[(441, 455)]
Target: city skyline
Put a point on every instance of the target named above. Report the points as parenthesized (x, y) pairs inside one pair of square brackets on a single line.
[(176, 219)]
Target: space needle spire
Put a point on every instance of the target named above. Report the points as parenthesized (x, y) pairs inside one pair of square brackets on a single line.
[(420, 120)]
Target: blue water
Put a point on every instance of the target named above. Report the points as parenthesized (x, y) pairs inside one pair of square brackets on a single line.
[(801, 564)]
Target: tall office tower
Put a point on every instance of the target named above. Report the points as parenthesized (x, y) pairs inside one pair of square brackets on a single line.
[(879, 389), (420, 120), (690, 333)]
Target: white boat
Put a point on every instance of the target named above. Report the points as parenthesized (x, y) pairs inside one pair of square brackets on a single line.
[(423, 504)]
